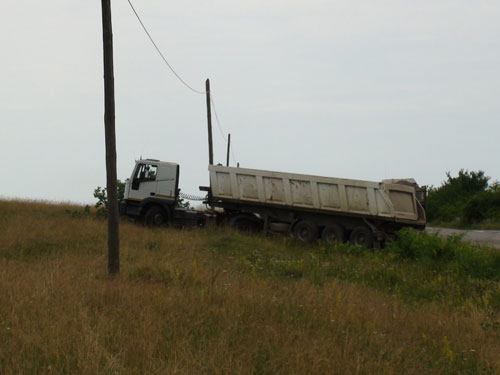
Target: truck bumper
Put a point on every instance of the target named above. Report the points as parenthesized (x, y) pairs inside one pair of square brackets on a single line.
[(130, 208)]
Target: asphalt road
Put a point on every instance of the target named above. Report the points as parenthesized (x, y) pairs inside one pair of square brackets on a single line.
[(485, 237)]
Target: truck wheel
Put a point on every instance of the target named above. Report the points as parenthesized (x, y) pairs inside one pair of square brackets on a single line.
[(333, 233), (155, 217), (361, 236), (305, 231), (244, 223)]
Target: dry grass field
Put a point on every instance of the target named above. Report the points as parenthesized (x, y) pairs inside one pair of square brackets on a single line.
[(219, 302)]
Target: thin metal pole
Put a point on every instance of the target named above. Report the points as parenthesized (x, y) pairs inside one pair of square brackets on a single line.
[(110, 140), (228, 149), (209, 119)]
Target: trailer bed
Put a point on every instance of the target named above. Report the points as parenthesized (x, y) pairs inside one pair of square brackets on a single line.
[(326, 195)]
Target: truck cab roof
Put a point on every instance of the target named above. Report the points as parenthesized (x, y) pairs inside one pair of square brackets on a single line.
[(155, 161)]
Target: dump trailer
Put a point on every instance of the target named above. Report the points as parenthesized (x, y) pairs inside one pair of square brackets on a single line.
[(313, 207)]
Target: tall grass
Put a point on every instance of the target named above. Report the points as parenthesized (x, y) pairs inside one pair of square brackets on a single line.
[(218, 302)]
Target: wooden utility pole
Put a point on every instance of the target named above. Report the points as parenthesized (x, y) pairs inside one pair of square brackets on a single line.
[(110, 140), (209, 119), (228, 149)]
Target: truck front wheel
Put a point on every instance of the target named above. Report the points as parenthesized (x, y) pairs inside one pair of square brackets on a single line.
[(155, 217)]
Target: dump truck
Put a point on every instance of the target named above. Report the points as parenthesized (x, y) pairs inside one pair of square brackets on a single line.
[(309, 207)]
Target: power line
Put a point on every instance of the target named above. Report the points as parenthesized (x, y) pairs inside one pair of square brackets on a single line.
[(217, 118), (161, 54), (179, 77), (220, 127)]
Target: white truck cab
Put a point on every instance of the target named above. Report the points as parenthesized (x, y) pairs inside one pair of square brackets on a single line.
[(153, 183)]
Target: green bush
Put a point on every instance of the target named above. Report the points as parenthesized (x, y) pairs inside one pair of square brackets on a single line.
[(464, 200), (102, 198), (450, 253), (483, 206), (421, 245), (446, 203)]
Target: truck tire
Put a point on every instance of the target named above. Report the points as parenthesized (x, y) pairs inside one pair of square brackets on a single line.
[(333, 233), (245, 223), (305, 231), (361, 236), (155, 217)]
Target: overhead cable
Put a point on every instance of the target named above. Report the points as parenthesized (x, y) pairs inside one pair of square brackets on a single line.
[(217, 119), (161, 54), (220, 127), (179, 77)]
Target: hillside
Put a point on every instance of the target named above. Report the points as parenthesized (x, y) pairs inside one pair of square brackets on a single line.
[(219, 302)]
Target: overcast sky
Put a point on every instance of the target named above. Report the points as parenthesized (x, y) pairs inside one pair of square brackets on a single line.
[(355, 89)]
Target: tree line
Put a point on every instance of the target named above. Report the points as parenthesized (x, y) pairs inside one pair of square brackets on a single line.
[(466, 199)]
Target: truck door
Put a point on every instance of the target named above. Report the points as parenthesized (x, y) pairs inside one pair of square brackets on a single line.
[(167, 181), (144, 181)]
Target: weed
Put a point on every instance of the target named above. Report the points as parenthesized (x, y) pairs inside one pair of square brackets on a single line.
[(219, 302)]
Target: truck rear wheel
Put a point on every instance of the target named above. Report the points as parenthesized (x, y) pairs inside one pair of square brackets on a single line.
[(155, 217), (305, 231), (333, 233), (361, 236)]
